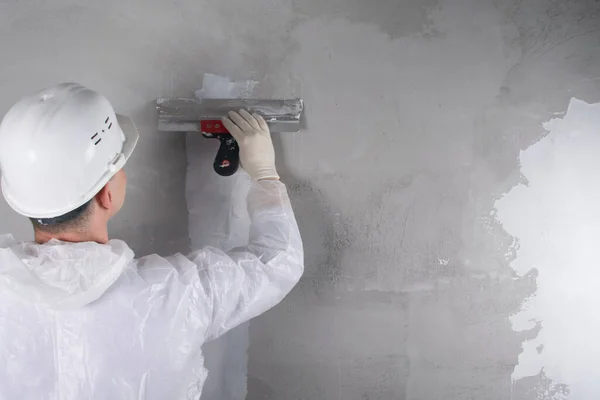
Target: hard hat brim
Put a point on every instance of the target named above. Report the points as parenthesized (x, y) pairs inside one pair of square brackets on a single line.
[(131, 135)]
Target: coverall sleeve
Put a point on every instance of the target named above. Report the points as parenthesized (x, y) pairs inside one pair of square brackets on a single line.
[(247, 281)]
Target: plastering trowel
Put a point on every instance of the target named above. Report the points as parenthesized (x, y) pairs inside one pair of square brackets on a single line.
[(204, 116)]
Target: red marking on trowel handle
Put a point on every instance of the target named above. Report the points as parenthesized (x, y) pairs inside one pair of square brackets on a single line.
[(213, 126)]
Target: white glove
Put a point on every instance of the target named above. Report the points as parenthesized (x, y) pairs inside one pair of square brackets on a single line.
[(257, 155)]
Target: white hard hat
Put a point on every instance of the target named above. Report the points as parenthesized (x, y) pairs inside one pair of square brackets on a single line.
[(59, 147)]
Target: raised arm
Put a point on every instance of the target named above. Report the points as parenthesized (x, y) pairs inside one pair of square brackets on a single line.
[(247, 281)]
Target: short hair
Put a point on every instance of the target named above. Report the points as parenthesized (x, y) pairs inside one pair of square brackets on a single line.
[(73, 220)]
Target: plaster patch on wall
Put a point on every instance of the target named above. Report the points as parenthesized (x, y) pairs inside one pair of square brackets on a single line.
[(218, 217), (221, 87), (555, 219), (413, 180)]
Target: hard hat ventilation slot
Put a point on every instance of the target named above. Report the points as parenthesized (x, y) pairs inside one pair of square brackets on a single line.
[(103, 131)]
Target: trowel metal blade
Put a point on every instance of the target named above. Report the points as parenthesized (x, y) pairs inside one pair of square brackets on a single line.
[(185, 115)]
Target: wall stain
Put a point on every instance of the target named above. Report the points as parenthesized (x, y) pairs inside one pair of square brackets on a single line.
[(395, 18)]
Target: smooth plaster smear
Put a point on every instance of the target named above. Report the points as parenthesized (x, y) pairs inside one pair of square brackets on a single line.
[(218, 217), (554, 216)]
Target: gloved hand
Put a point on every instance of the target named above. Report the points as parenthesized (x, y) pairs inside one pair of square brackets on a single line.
[(257, 155)]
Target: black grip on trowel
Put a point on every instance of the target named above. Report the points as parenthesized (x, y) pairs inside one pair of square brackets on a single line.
[(227, 160)]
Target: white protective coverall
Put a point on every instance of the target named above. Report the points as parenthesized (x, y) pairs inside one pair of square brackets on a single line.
[(90, 321)]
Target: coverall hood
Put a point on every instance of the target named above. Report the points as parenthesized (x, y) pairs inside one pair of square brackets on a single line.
[(58, 274)]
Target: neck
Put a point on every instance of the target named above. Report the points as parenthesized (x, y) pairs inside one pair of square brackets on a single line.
[(98, 235)]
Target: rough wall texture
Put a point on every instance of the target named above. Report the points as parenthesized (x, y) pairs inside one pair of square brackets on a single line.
[(414, 131), (415, 114)]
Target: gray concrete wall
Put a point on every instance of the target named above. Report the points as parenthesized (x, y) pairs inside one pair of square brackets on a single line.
[(100, 45), (416, 112)]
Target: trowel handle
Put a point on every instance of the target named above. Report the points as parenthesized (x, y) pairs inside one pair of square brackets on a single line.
[(227, 160)]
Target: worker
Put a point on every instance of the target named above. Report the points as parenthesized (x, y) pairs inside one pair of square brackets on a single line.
[(80, 317)]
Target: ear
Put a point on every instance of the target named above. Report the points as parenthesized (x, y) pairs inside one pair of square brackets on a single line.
[(105, 197)]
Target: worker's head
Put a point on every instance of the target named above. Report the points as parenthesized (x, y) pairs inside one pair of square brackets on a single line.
[(95, 212), (62, 152)]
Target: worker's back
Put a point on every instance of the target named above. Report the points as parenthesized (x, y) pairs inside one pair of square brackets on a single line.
[(87, 320), (82, 321)]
